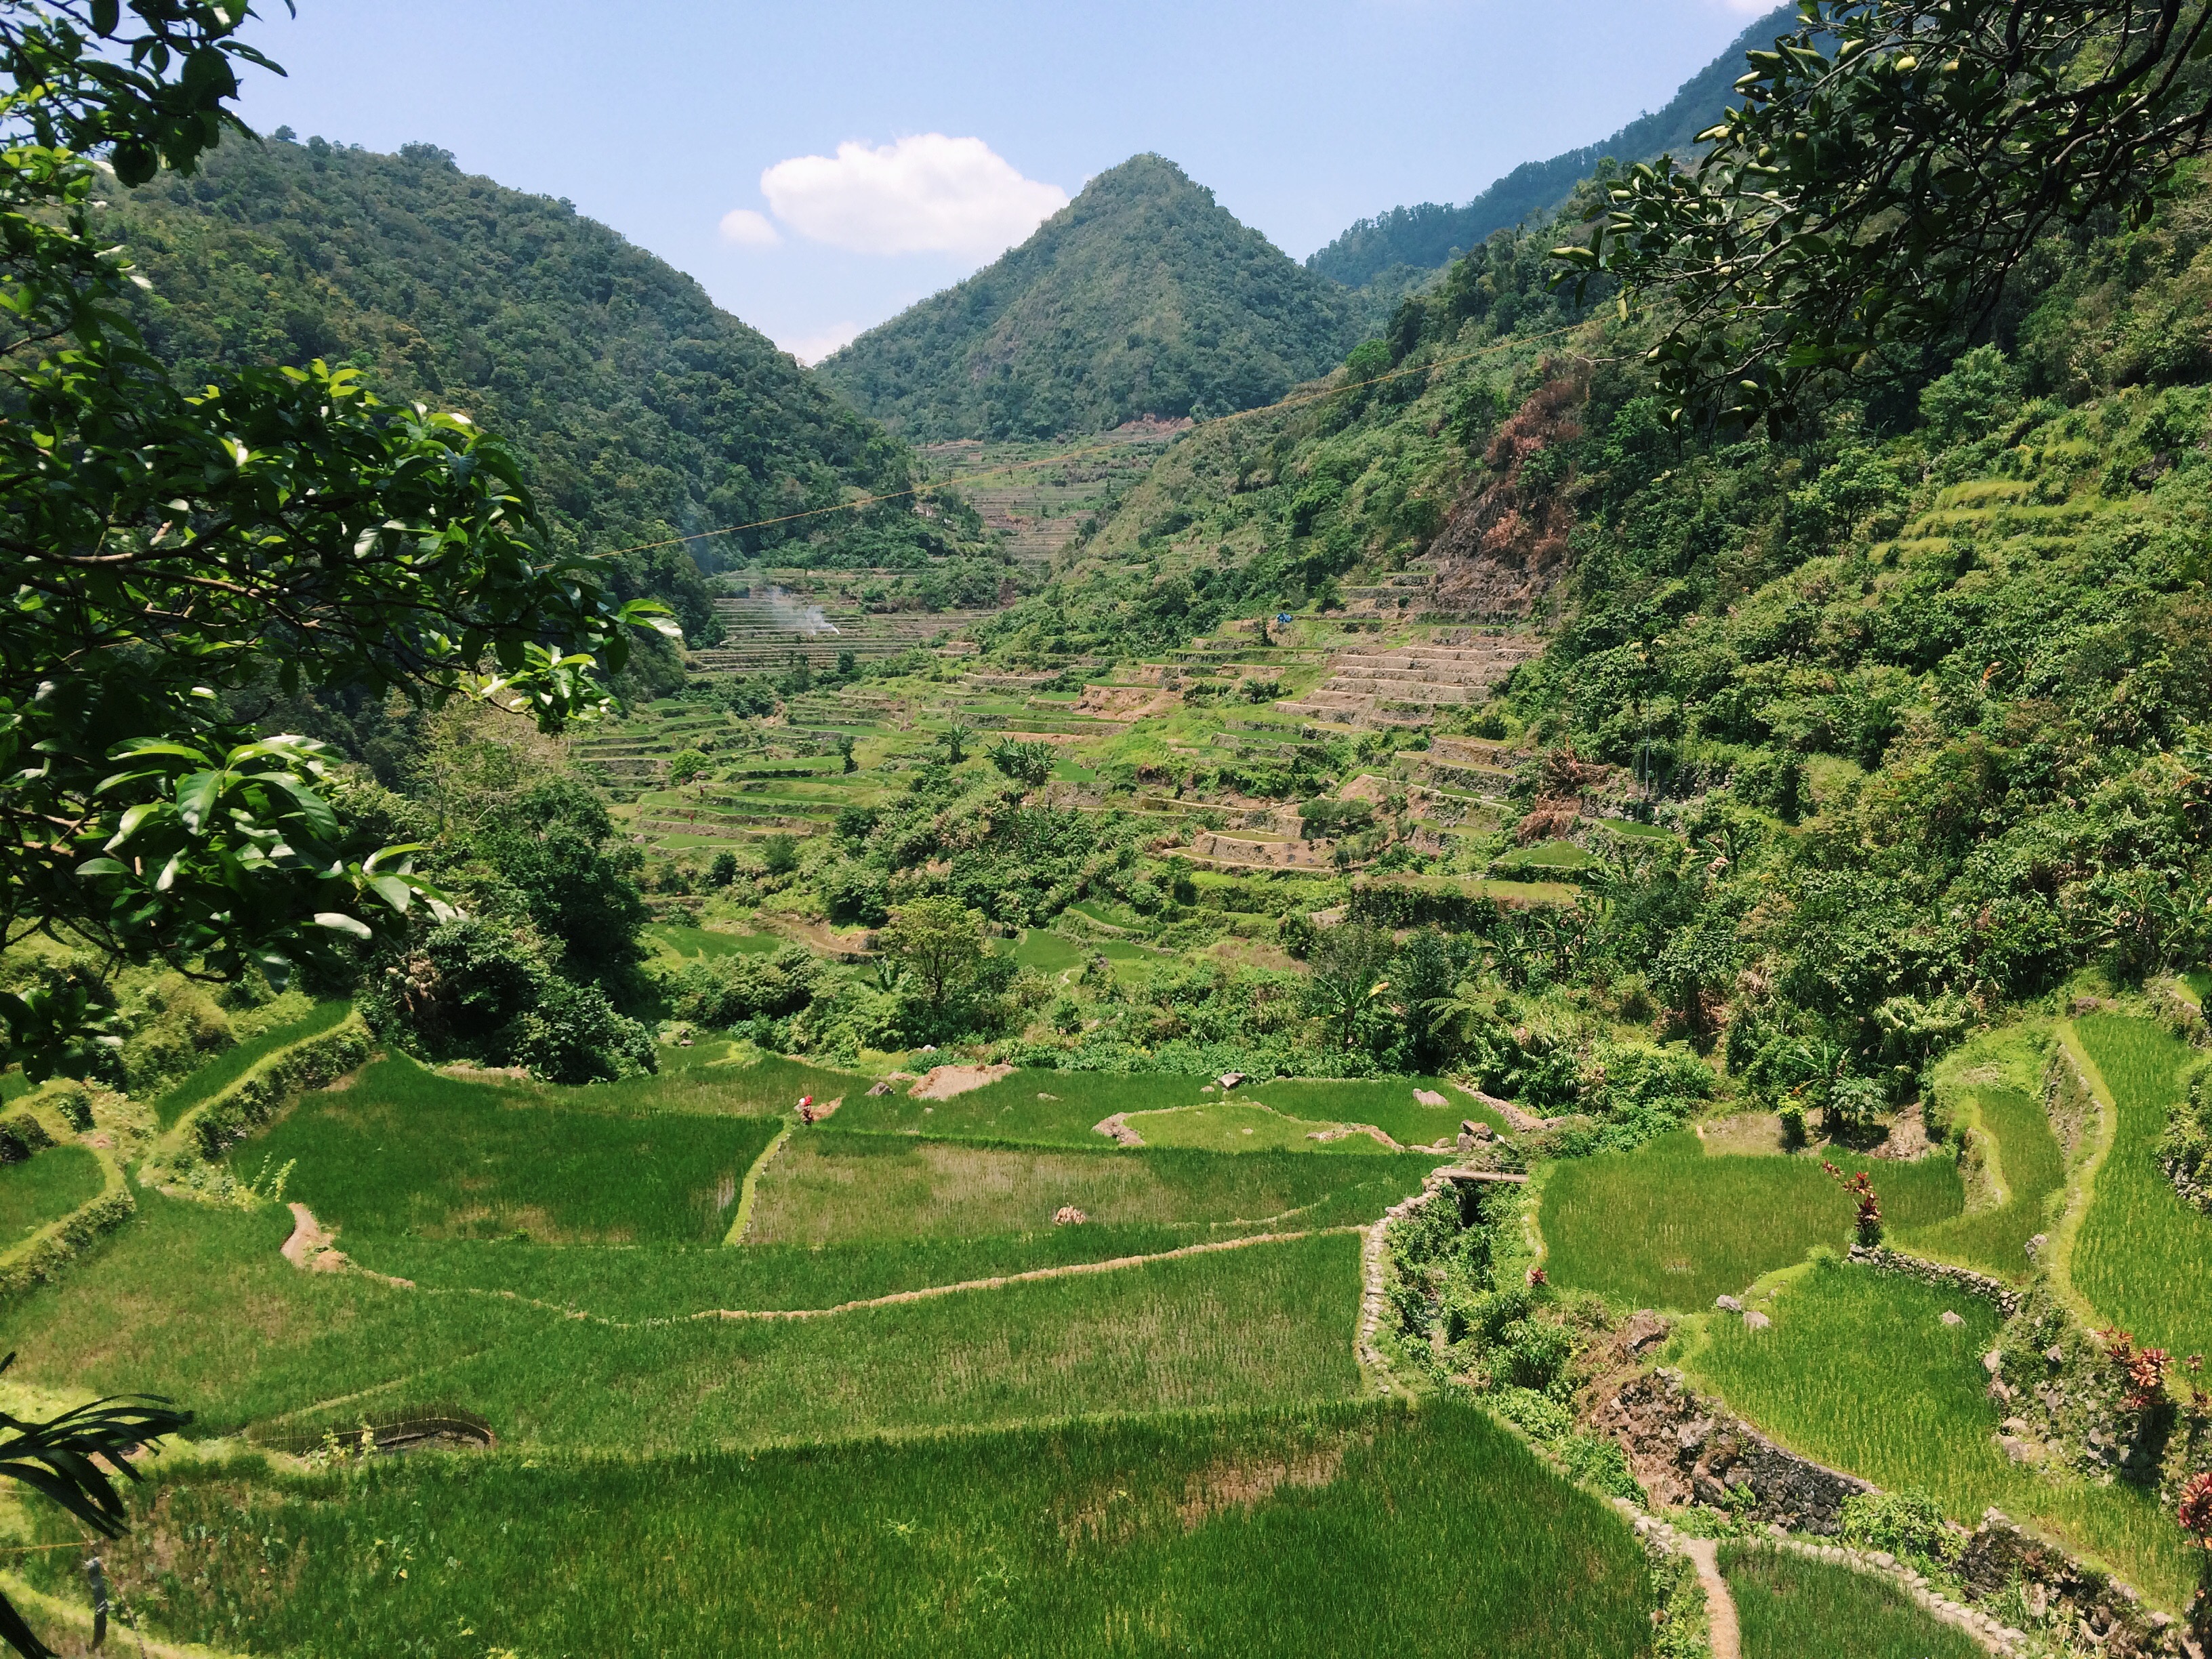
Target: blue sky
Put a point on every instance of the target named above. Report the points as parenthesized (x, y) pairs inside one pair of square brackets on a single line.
[(820, 166)]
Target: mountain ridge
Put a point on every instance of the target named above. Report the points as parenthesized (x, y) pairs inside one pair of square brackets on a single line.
[(1144, 296), (1429, 235)]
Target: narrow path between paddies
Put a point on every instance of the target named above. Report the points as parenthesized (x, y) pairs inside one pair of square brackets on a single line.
[(310, 1248), (1724, 1632)]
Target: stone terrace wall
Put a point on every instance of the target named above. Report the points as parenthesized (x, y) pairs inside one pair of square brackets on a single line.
[(1963, 1279), (1688, 1449)]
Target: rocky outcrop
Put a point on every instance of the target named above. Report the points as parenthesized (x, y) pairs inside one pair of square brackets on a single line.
[(1506, 542), (1684, 1449)]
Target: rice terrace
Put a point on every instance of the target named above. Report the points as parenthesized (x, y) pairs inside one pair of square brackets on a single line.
[(1492, 945)]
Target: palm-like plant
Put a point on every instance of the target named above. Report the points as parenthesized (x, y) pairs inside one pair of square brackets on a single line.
[(958, 737), (71, 1459), (1029, 763)]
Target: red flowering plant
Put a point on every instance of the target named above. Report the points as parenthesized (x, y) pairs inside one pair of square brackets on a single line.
[(2143, 1371), (1869, 1206), (2195, 1510)]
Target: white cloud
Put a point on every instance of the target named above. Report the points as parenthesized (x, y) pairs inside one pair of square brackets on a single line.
[(747, 229), (812, 348), (926, 194)]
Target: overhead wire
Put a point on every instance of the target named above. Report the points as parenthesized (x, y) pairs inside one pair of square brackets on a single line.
[(1296, 401)]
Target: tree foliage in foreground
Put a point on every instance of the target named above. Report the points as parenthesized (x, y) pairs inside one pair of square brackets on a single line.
[(1891, 165), (162, 547)]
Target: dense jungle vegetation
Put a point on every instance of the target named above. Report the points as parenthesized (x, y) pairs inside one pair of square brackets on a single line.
[(1923, 680), (641, 410)]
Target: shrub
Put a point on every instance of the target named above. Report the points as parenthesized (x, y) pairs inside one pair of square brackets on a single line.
[(780, 854), (1900, 1523), (480, 990), (572, 1034), (1324, 818), (854, 893), (20, 1135), (1534, 1354), (729, 991)]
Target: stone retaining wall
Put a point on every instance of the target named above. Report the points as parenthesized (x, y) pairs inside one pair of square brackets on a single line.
[(1883, 1259), (1688, 1449), (2076, 1602)]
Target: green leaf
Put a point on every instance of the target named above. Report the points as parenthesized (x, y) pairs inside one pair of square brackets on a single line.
[(132, 817), (321, 820), (139, 748), (393, 891), (197, 797)]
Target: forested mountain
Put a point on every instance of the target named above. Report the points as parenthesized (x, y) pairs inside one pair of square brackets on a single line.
[(1930, 668), (1143, 296), (641, 410), (1426, 237)]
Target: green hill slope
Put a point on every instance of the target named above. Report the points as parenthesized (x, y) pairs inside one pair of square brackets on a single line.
[(1143, 296), (1430, 235), (642, 409)]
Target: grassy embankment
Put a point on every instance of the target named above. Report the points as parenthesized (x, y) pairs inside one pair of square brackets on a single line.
[(44, 1188), (1789, 1607), (1669, 1226), (1348, 1529), (235, 1061)]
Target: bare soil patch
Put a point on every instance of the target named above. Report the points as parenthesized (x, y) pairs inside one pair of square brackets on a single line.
[(942, 1081)]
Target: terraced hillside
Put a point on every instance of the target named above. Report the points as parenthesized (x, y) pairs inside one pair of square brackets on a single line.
[(680, 1282), (1039, 497)]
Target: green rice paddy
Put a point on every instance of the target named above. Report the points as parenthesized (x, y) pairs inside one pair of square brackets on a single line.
[(1242, 1126), (406, 1150), (1048, 953), (1788, 1606), (1030, 1108), (709, 945), (1671, 1226), (1859, 1372), (45, 1189), (627, 1283), (827, 1188), (2143, 1258), (1343, 1530), (1253, 1326), (2034, 1170)]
